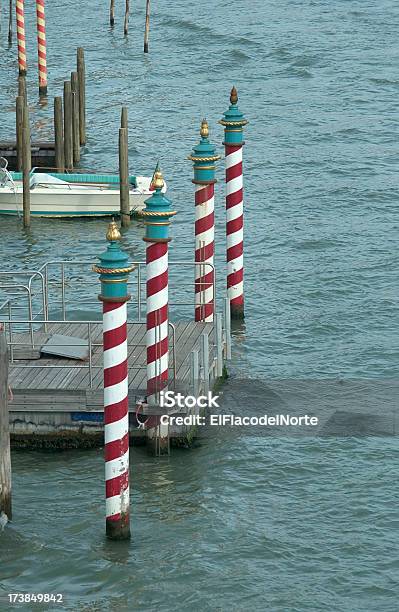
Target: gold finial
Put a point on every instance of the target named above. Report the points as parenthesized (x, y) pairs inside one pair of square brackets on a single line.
[(204, 131), (113, 232), (158, 180), (233, 96)]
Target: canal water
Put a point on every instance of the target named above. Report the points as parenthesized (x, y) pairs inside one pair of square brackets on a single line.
[(247, 519)]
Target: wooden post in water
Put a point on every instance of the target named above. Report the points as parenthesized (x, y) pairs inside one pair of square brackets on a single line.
[(126, 23), (82, 94), (124, 177), (5, 454), (112, 13), (68, 136), (75, 117), (10, 24), (19, 124), (22, 87), (26, 167), (114, 270), (58, 134), (41, 47), (19, 7), (124, 118), (147, 26)]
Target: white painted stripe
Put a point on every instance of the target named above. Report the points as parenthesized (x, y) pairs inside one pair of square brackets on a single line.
[(157, 267), (115, 393), (205, 209), (117, 503), (235, 290), (235, 264), (116, 355), (158, 333), (205, 238), (117, 430), (114, 318), (155, 368), (117, 466), (234, 185), (157, 300), (234, 238), (234, 212), (233, 158)]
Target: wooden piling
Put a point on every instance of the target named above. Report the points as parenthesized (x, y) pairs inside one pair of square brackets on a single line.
[(124, 118), (26, 168), (10, 24), (19, 124), (124, 177), (5, 454), (75, 117), (22, 87), (126, 23), (68, 134), (81, 69), (59, 134), (112, 13), (147, 26)]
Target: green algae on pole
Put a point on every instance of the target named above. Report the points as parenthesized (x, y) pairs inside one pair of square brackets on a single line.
[(5, 455)]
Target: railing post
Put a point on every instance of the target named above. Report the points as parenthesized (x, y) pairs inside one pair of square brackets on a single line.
[(219, 344), (195, 373), (205, 360), (227, 327), (5, 455)]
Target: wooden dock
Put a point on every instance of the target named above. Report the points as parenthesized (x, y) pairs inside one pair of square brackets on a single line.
[(59, 399)]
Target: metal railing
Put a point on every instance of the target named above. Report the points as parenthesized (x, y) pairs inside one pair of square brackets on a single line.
[(91, 335)]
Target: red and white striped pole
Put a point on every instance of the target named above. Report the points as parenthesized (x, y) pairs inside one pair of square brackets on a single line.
[(41, 46), (204, 159), (19, 7), (157, 214), (233, 140), (114, 271)]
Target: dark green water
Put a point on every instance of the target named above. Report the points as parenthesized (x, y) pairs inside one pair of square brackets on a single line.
[(242, 521)]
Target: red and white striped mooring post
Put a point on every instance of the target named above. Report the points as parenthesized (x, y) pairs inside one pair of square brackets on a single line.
[(114, 271), (204, 158), (41, 46), (156, 215), (19, 7), (233, 122)]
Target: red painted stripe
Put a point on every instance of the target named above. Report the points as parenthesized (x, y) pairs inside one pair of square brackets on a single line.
[(114, 337), (205, 252), (237, 301), (115, 375), (157, 383), (108, 306), (155, 351), (234, 198), (235, 278), (155, 251), (235, 251), (114, 486), (235, 225), (115, 412), (203, 311), (233, 172), (232, 148), (156, 317), (117, 448), (156, 284), (205, 223), (205, 194)]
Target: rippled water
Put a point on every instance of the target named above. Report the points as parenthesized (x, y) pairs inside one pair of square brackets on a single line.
[(242, 521)]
